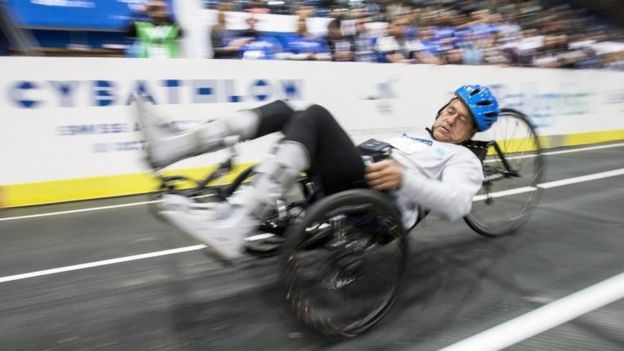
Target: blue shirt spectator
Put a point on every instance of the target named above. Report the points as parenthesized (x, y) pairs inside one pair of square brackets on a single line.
[(364, 42), (258, 46), (264, 47), (304, 46)]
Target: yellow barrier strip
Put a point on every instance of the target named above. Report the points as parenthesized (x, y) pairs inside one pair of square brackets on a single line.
[(28, 194), (16, 195), (592, 137)]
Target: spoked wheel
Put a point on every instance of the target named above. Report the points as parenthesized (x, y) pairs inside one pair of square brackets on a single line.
[(344, 261), (509, 193)]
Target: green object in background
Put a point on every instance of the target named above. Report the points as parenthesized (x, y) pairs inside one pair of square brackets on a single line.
[(158, 41)]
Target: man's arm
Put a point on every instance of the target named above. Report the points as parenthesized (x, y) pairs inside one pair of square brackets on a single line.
[(451, 197)]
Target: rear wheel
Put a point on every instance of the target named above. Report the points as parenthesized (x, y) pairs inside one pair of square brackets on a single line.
[(344, 261), (510, 192)]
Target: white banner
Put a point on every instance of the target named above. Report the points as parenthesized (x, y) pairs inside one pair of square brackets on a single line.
[(67, 118)]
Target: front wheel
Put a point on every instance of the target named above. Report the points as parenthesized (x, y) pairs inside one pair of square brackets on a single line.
[(344, 261), (510, 191)]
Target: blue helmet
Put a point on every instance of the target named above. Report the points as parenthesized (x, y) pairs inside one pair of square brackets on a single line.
[(482, 105)]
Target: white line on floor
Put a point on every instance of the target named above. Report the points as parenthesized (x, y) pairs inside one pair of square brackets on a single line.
[(559, 152), (548, 185), (516, 191), (585, 178), (553, 184), (101, 263), (545, 317), (60, 213)]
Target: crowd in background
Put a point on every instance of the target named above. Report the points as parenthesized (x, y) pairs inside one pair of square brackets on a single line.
[(498, 32), (530, 33)]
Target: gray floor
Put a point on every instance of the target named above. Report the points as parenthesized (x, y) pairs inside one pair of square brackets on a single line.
[(458, 283)]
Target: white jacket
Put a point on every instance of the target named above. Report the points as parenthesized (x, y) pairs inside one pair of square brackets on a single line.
[(441, 177)]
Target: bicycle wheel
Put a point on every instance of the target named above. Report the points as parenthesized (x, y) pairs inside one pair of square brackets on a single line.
[(510, 192), (344, 262)]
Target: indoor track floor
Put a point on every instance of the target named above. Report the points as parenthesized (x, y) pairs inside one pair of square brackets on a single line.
[(72, 280)]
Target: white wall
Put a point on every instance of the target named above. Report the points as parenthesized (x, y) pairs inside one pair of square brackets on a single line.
[(53, 127)]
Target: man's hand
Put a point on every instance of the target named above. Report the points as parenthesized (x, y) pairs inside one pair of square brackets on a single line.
[(239, 42), (384, 175)]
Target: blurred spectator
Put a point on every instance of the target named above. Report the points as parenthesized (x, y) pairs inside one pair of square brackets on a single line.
[(493, 32), (304, 46), (471, 53), (364, 42), (305, 10), (615, 61), (260, 46), (548, 54), (157, 36), (258, 7), (453, 56), (493, 50), (340, 46), (5, 24), (393, 47), (424, 49), (397, 9), (222, 40), (526, 48), (4, 44)]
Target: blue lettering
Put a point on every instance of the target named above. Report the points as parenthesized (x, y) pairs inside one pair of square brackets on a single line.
[(66, 90), (291, 89), (119, 146), (516, 101), (108, 93), (172, 86), (260, 89), (204, 91), (229, 91), (142, 90), (16, 94), (103, 93), (85, 129)]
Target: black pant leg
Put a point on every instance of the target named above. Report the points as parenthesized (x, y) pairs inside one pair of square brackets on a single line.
[(334, 157), (273, 117)]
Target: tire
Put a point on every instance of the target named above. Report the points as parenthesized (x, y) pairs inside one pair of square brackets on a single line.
[(344, 261), (503, 205)]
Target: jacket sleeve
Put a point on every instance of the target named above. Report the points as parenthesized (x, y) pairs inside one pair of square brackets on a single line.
[(451, 196)]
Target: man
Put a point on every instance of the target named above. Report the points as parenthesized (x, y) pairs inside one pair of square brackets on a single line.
[(395, 46), (257, 46), (433, 171), (340, 46), (158, 36)]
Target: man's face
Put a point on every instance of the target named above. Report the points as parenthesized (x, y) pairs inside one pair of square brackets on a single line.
[(455, 125), (397, 28), (252, 22), (157, 9)]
